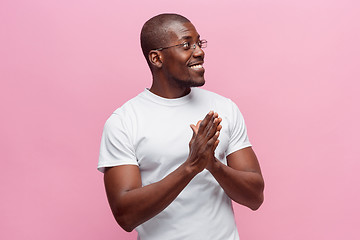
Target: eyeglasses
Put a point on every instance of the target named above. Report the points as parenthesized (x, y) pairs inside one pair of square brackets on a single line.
[(186, 45)]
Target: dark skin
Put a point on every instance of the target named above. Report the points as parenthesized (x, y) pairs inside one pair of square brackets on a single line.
[(171, 68), (173, 75)]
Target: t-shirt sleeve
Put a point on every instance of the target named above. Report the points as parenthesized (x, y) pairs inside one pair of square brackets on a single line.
[(116, 147), (238, 133)]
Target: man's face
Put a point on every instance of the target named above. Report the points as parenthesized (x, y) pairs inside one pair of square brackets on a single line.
[(184, 67)]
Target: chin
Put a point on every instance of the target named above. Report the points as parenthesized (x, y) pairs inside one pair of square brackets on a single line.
[(198, 84), (190, 82)]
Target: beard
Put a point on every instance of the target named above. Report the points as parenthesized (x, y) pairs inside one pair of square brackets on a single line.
[(189, 82)]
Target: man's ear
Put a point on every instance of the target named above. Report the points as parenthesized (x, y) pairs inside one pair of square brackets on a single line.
[(155, 58)]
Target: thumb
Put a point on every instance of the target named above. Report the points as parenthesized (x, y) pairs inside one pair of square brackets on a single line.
[(198, 124), (193, 128)]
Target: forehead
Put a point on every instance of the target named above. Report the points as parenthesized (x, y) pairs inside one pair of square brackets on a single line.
[(179, 31)]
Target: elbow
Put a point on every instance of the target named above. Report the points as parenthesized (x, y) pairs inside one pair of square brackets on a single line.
[(125, 224), (125, 220), (258, 199), (256, 203), (128, 228)]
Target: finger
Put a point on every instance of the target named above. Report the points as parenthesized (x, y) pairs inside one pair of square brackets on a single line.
[(209, 125), (214, 120), (213, 128), (205, 121), (213, 140), (216, 144), (194, 129), (219, 127)]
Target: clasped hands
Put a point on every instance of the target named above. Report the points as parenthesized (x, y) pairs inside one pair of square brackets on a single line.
[(204, 142)]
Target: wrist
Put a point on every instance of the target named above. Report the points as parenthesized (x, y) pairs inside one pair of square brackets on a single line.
[(214, 166), (190, 169)]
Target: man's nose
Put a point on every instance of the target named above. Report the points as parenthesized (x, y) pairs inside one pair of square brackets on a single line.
[(198, 51)]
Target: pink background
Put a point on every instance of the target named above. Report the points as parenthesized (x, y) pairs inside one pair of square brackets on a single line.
[(291, 66)]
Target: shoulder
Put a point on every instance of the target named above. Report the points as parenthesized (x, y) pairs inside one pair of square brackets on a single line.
[(129, 105), (125, 114), (129, 108)]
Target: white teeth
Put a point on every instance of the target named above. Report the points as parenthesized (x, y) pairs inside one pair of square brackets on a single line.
[(197, 66)]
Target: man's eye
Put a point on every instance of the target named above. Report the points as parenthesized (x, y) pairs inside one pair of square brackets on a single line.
[(186, 45)]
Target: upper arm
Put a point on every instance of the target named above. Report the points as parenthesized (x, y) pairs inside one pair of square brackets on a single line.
[(120, 179), (244, 160)]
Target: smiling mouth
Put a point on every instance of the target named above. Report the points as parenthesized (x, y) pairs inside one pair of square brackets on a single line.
[(197, 66)]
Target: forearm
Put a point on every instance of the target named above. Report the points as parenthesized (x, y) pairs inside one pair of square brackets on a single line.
[(244, 187), (133, 207)]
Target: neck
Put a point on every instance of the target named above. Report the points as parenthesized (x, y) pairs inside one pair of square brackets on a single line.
[(165, 89), (169, 92)]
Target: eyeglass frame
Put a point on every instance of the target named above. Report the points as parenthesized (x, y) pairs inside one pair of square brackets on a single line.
[(202, 41)]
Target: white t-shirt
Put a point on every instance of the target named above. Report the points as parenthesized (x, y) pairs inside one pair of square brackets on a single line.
[(154, 133)]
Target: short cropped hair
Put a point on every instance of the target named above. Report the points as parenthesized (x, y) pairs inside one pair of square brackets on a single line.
[(154, 33)]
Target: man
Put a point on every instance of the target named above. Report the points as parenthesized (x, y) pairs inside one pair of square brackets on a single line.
[(164, 175)]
